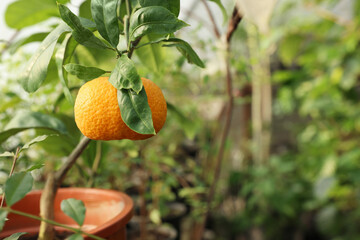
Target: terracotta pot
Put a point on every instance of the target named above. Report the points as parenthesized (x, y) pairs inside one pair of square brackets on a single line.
[(107, 213)]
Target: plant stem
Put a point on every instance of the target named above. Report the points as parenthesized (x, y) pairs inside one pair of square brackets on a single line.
[(46, 231), (118, 52), (126, 30), (61, 173), (127, 23), (134, 44), (53, 182), (212, 19), (96, 164), (16, 156), (234, 22), (11, 40), (76, 230), (128, 7)]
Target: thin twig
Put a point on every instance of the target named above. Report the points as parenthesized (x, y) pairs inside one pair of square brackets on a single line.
[(127, 23), (133, 46), (16, 156), (96, 164), (212, 19), (199, 19), (233, 24), (8, 43), (182, 181)]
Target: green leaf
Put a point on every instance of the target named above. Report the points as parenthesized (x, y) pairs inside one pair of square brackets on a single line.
[(155, 20), (190, 126), (135, 111), (7, 154), (125, 76), (35, 140), (3, 215), (11, 103), (323, 186), (63, 144), (186, 50), (191, 191), (83, 72), (104, 13), (15, 236), (289, 48), (63, 56), (155, 216), (60, 146), (31, 120), (222, 8), (77, 236), (85, 56), (81, 34), (36, 37), (17, 186), (36, 166), (75, 209), (87, 23), (25, 13), (150, 55), (85, 9), (96, 151), (172, 5), (35, 72)]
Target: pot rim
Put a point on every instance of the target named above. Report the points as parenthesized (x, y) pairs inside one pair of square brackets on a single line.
[(111, 226)]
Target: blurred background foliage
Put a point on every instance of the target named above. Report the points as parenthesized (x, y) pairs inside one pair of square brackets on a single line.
[(306, 185)]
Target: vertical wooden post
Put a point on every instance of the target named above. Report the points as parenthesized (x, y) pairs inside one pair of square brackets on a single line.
[(261, 105)]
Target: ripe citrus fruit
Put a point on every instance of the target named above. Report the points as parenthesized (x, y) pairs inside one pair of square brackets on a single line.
[(97, 113)]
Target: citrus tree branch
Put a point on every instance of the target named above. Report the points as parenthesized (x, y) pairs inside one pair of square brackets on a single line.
[(53, 182), (61, 173)]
